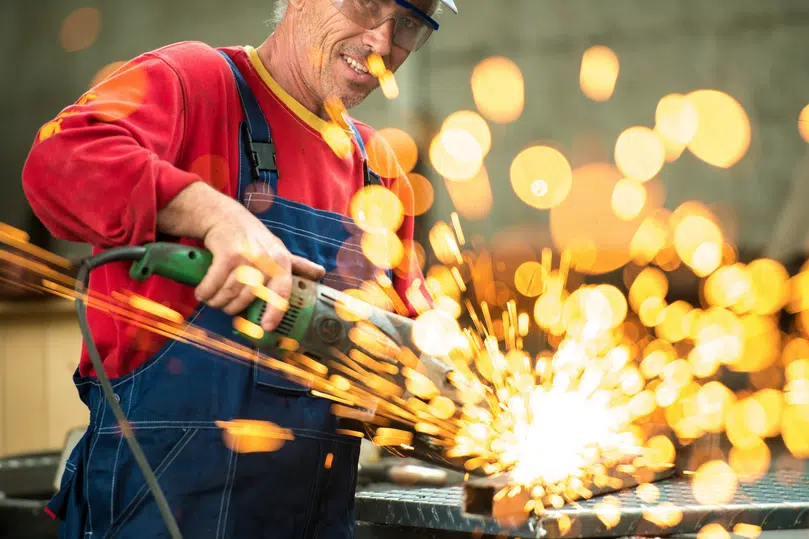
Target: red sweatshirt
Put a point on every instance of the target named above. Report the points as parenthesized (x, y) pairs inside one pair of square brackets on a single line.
[(102, 169)]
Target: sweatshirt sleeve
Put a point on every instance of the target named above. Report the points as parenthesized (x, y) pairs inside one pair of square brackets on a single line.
[(102, 169)]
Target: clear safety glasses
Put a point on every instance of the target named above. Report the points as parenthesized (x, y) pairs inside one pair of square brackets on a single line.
[(412, 26)]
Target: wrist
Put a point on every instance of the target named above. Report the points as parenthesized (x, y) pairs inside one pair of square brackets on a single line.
[(194, 211)]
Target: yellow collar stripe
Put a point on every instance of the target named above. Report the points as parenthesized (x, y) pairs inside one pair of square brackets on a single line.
[(307, 116)]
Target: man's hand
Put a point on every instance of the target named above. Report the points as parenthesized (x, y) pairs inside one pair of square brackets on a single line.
[(244, 240), (235, 238)]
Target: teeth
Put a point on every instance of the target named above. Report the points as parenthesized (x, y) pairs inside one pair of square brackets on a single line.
[(358, 67)]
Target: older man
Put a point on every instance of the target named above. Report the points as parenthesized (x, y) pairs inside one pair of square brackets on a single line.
[(222, 149)]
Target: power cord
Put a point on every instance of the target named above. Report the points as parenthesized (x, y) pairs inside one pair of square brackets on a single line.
[(119, 254)]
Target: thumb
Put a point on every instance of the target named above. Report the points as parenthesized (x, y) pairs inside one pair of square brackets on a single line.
[(303, 267)]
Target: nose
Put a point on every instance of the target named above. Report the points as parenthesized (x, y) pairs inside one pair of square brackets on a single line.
[(380, 39)]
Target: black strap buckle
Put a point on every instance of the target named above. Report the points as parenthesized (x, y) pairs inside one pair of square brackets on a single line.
[(369, 176), (262, 157)]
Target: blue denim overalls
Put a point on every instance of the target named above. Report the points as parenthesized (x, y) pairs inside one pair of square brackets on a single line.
[(173, 400)]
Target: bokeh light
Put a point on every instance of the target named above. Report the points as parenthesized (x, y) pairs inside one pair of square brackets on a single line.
[(803, 123), (413, 259), (530, 279), (473, 123), (382, 248), (599, 73), (498, 89), (676, 119), (214, 170), (698, 240), (586, 218), (723, 128), (472, 198), (80, 29), (105, 72), (416, 193), (714, 483), (456, 154), (338, 140), (120, 94), (375, 208), (541, 176), (639, 153), (436, 332), (628, 198), (391, 152)]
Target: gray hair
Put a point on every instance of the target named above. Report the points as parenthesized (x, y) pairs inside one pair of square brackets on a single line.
[(280, 8), (278, 11)]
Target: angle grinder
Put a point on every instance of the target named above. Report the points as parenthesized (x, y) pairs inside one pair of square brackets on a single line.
[(313, 319)]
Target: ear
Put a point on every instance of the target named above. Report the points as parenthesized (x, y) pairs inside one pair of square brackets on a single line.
[(297, 4)]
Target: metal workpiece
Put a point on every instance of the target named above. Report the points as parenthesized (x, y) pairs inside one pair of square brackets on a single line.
[(778, 501), (484, 496), (421, 447)]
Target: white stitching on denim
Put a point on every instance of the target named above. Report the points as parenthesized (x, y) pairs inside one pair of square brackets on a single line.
[(97, 435), (141, 493), (118, 454), (315, 496), (308, 234), (155, 361), (226, 494), (239, 171), (322, 238), (291, 204), (321, 435), (162, 424)]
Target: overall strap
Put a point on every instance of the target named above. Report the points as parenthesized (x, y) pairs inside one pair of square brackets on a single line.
[(369, 176), (258, 145)]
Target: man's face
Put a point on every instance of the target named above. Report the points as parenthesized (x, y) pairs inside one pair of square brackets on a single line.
[(332, 43)]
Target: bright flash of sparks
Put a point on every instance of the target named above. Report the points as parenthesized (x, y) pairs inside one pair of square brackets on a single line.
[(534, 459)]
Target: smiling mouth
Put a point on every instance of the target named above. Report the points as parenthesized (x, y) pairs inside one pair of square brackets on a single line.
[(355, 65)]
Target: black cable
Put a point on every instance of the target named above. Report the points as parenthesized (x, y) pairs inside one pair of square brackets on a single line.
[(119, 254)]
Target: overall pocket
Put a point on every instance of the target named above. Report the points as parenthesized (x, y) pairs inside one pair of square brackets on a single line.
[(193, 468), (279, 493), (266, 378), (335, 517), (68, 505)]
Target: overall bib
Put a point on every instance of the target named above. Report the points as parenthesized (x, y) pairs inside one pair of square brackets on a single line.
[(303, 490)]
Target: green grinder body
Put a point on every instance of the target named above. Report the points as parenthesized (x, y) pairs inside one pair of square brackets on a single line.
[(188, 265)]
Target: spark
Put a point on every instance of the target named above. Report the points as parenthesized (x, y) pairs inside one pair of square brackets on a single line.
[(612, 369)]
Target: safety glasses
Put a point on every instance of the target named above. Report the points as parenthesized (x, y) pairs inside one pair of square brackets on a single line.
[(412, 26)]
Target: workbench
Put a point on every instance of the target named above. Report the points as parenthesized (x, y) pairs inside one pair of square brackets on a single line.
[(778, 501)]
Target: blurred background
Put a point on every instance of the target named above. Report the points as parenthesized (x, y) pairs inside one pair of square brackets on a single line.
[(546, 93), (562, 124)]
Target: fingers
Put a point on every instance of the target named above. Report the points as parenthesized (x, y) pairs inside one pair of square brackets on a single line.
[(272, 266), (214, 279), (280, 286), (306, 268), (279, 290), (243, 300)]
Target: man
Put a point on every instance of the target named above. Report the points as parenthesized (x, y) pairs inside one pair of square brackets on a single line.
[(221, 149)]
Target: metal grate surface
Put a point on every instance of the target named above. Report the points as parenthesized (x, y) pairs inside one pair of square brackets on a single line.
[(777, 501)]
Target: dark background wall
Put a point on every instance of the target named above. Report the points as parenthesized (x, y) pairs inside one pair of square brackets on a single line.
[(757, 51)]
